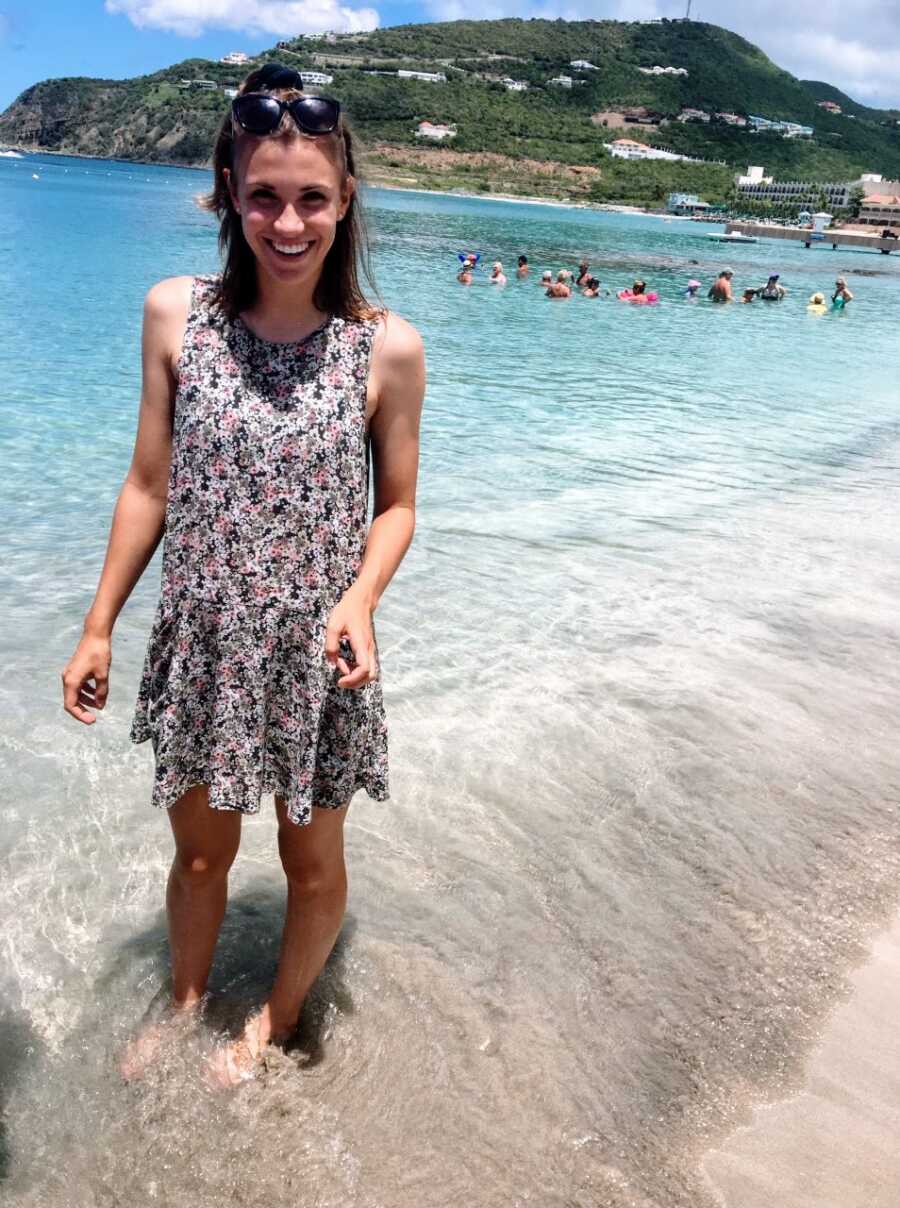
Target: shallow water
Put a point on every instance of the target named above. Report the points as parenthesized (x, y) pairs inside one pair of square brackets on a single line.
[(642, 677)]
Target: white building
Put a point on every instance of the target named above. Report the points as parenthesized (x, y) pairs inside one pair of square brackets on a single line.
[(435, 131), (583, 65), (733, 119), (316, 77), (754, 176), (561, 81), (679, 71), (433, 77), (628, 148), (231, 93), (205, 85), (237, 57), (693, 115), (514, 85)]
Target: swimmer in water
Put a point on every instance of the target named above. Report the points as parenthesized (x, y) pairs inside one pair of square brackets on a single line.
[(841, 295), (638, 295), (749, 295), (690, 294), (591, 288), (720, 290), (583, 274), (546, 278), (464, 276), (498, 277), (771, 291), (560, 287), (522, 269), (816, 305)]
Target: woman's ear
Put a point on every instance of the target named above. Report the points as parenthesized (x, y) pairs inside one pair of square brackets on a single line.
[(347, 190), (229, 181)]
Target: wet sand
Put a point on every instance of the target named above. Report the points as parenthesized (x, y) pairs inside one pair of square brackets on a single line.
[(835, 1145)]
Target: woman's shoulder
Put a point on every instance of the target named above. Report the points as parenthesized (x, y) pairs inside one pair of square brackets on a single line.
[(395, 337), (169, 297)]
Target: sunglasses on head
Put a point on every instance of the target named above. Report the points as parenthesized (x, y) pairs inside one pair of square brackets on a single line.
[(260, 113)]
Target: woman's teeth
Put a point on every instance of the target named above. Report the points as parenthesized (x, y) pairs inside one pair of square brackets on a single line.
[(290, 249)]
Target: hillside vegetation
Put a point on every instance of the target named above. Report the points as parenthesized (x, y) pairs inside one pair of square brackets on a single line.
[(152, 118)]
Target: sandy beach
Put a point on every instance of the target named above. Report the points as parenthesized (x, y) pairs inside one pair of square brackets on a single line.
[(834, 1145)]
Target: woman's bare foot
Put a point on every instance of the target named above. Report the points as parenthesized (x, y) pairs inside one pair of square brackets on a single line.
[(143, 1049), (242, 1059), (238, 1060)]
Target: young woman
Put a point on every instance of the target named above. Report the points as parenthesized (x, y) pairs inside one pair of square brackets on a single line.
[(266, 390)]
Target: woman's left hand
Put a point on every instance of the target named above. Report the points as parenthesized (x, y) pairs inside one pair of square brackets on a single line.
[(350, 622)]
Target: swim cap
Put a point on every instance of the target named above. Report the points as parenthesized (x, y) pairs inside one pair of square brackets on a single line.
[(694, 283)]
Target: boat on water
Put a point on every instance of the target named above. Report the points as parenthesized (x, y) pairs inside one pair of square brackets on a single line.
[(731, 237), (11, 155)]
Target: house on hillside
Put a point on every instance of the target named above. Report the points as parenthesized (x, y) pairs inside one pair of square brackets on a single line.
[(583, 65), (316, 77), (628, 148), (514, 85), (679, 71), (733, 119), (237, 58), (436, 131), (830, 106), (693, 115), (561, 81), (203, 85), (431, 77)]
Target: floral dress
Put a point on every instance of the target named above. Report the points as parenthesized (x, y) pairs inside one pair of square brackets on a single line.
[(265, 529)]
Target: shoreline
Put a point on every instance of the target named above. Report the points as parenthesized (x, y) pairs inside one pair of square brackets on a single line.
[(833, 1144), (530, 199)]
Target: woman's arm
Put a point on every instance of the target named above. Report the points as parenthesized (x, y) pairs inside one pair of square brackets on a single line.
[(397, 380), (139, 514)]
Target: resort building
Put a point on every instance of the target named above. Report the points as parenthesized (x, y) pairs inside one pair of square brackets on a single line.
[(583, 65), (514, 85), (686, 203), (754, 176), (881, 210), (237, 57), (435, 131), (693, 115), (733, 119), (316, 77), (679, 71), (561, 81), (432, 77)]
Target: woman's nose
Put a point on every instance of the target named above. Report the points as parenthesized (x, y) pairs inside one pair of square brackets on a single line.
[(289, 222)]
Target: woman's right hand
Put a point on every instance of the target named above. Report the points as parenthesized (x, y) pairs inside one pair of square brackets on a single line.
[(86, 677)]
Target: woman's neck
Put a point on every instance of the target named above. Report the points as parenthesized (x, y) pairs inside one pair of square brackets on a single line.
[(283, 312)]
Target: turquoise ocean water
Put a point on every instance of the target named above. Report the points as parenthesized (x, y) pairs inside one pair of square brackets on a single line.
[(642, 677)]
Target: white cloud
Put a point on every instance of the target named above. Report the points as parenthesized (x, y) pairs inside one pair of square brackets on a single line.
[(285, 18), (853, 44)]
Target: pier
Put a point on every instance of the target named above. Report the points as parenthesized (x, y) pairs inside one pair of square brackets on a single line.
[(833, 236)]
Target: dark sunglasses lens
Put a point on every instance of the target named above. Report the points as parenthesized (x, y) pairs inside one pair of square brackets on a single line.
[(316, 114), (257, 114)]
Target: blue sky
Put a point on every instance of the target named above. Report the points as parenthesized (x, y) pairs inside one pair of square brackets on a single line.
[(855, 45)]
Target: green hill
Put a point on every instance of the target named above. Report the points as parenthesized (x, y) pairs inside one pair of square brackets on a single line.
[(154, 118)]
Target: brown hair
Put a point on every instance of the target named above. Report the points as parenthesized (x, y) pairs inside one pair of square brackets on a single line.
[(338, 289)]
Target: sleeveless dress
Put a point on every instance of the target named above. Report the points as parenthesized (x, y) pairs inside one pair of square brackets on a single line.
[(265, 528)]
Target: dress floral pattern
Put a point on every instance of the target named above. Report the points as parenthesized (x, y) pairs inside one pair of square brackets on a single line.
[(265, 529)]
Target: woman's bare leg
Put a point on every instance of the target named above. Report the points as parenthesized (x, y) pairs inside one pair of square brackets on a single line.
[(206, 843), (313, 860)]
